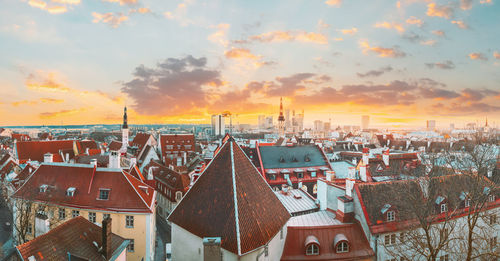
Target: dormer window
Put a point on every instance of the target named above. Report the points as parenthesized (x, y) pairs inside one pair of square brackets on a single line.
[(343, 247), (491, 198), (467, 202), (178, 196), (104, 194), (294, 159), (70, 192), (282, 160), (43, 188), (307, 158), (312, 246), (391, 216), (444, 208)]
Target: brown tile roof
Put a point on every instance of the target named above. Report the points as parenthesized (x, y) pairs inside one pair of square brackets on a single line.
[(211, 209), (140, 140), (35, 150), (75, 236), (115, 145), (375, 196), (295, 247), (125, 192)]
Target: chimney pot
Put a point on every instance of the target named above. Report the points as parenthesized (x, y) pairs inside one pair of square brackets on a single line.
[(106, 238)]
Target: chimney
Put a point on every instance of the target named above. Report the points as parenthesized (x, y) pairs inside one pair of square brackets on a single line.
[(211, 249), (330, 175), (48, 157), (93, 162), (366, 154), (106, 238), (362, 173), (185, 158), (345, 209), (351, 179), (385, 157), (114, 160), (133, 162), (67, 157), (87, 151)]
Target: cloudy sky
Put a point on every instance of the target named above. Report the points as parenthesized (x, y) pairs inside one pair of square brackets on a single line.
[(401, 62)]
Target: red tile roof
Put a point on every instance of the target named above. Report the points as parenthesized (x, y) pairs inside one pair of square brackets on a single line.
[(140, 140), (75, 236), (179, 142), (34, 150), (212, 209), (20, 137), (125, 195), (295, 245), (115, 145)]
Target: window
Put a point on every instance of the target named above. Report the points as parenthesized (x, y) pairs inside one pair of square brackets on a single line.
[(313, 174), (92, 217), (286, 177), (281, 234), (170, 147), (491, 198), (392, 259), (104, 216), (300, 175), (444, 207), (70, 192), (178, 196), (467, 202), (444, 258), (129, 221), (391, 215), (312, 250), (493, 219), (75, 213), (343, 247), (62, 213), (131, 246), (103, 194), (272, 177), (29, 229), (43, 188), (402, 237), (493, 242), (390, 239)]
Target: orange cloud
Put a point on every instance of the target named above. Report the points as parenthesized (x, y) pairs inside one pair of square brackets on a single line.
[(300, 36), (438, 32), (34, 102), (381, 51), (444, 11), (122, 2), (486, 1), (415, 21), (241, 53), (53, 9), (141, 10), (114, 20), (428, 42), (496, 55), (220, 36), (334, 3), (477, 56), (460, 24), (69, 2), (41, 82), (62, 113), (398, 27), (351, 31)]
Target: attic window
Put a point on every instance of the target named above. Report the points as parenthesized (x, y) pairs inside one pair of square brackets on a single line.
[(70, 192), (104, 194), (307, 158), (391, 215), (294, 159), (491, 198), (282, 160), (43, 188), (312, 250), (343, 247), (444, 207)]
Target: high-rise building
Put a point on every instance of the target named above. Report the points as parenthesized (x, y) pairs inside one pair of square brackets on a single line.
[(365, 122), (218, 125), (318, 125), (288, 122), (262, 122), (431, 125), (269, 123), (327, 126)]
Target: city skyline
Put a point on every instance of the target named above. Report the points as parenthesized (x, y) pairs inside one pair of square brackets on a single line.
[(401, 62)]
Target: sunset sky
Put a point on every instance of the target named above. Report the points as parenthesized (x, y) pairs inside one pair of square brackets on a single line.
[(401, 62)]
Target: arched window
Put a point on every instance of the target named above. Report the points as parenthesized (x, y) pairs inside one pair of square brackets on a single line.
[(342, 247), (312, 250)]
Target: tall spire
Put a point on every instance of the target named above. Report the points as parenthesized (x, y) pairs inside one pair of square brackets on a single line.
[(125, 125), (281, 120)]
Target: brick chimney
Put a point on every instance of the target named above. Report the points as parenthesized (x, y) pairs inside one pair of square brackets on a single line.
[(48, 157), (345, 209), (211, 249), (106, 238)]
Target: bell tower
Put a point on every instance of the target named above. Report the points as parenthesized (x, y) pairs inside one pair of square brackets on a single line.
[(124, 132)]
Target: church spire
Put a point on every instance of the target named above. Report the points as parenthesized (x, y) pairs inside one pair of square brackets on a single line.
[(281, 120), (125, 125)]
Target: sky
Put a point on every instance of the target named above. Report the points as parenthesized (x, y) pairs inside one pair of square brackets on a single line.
[(400, 62)]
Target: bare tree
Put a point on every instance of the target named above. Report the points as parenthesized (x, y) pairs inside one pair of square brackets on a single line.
[(24, 218)]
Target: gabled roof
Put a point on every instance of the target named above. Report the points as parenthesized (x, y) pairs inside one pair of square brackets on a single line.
[(173, 179), (231, 200), (278, 157), (140, 140), (115, 145), (125, 192), (76, 237), (35, 150)]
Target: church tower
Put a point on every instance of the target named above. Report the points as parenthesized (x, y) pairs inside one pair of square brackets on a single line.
[(281, 120), (124, 132)]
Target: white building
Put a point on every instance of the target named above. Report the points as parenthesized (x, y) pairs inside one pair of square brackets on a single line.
[(218, 125)]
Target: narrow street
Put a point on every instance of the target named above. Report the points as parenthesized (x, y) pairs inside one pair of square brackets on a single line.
[(163, 236), (5, 228)]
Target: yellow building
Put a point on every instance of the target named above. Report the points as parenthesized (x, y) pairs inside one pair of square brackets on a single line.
[(61, 191)]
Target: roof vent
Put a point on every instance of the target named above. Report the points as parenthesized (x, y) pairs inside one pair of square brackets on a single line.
[(31, 258), (70, 192), (43, 188), (145, 189)]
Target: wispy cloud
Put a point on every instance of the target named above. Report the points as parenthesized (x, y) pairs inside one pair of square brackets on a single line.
[(299, 36), (61, 113), (122, 2), (220, 35), (496, 55), (375, 73), (477, 56), (466, 4), (445, 11), (51, 8), (334, 3), (415, 21), (350, 31), (114, 20), (396, 26), (446, 65), (460, 24), (392, 52), (439, 33)]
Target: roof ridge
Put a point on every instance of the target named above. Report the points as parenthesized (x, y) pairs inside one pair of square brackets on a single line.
[(235, 197), (137, 192)]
